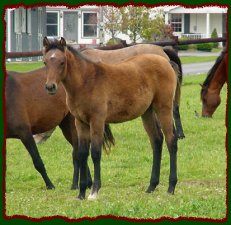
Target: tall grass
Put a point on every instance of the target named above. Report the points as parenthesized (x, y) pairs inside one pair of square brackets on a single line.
[(200, 192)]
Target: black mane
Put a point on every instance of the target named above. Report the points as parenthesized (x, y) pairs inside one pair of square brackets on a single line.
[(211, 73), (214, 68)]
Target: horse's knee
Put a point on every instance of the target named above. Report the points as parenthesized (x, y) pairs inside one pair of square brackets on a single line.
[(75, 153), (82, 155), (173, 144), (95, 155), (158, 142)]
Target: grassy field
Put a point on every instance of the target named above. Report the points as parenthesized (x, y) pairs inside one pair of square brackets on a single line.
[(200, 192), (197, 59), (23, 67)]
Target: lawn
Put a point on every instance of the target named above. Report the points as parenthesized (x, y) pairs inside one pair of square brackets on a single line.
[(197, 59), (200, 192), (23, 66)]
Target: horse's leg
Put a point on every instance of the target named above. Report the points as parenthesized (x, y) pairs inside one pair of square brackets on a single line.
[(164, 114), (28, 141), (82, 156), (97, 131), (156, 138), (75, 179), (69, 131)]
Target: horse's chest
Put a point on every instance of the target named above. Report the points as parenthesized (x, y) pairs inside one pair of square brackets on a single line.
[(78, 111)]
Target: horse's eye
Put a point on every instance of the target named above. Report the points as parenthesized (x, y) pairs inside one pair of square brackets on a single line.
[(62, 63)]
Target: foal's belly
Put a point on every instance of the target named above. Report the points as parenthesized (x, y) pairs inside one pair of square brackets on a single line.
[(128, 110)]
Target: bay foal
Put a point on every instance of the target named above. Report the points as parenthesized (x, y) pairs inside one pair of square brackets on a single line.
[(99, 93)]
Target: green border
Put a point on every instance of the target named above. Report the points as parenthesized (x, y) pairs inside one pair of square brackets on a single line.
[(14, 3)]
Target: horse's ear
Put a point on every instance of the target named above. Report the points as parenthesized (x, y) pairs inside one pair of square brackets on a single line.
[(63, 42), (46, 42)]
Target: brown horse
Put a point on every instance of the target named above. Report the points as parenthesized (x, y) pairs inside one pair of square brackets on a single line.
[(119, 55), (28, 112), (210, 91), (99, 93)]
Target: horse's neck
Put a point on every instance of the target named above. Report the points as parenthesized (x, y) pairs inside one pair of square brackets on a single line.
[(76, 73), (219, 78)]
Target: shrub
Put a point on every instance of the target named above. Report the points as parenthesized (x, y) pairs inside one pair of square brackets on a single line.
[(113, 41), (205, 47), (214, 35), (183, 47)]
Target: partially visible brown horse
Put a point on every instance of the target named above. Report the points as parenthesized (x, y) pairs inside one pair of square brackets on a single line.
[(99, 93), (210, 91), (28, 112), (120, 52), (119, 55), (121, 44)]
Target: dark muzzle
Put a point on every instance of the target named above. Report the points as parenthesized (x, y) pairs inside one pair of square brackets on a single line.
[(51, 89)]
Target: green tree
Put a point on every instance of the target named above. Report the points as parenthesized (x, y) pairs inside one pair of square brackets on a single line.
[(112, 20), (157, 29), (135, 21), (214, 35)]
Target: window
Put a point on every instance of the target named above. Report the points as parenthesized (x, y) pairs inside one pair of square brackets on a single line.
[(52, 24), (176, 22), (89, 24)]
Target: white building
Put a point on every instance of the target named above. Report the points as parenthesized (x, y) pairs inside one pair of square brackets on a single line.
[(196, 22), (26, 27), (77, 25)]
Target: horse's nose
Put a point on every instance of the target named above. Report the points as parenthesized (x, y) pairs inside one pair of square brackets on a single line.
[(51, 88)]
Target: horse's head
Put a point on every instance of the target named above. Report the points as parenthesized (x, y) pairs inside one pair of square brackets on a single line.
[(54, 56), (210, 101)]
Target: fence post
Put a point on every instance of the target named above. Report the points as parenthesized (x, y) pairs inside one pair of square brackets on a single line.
[(175, 47)]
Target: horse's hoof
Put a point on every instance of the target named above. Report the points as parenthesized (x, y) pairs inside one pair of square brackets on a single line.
[(151, 189), (92, 196), (171, 190), (51, 187), (80, 197)]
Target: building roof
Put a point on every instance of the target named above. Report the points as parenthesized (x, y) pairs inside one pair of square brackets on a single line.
[(181, 9)]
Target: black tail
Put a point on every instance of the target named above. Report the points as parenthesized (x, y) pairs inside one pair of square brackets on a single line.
[(175, 58), (108, 138), (176, 64)]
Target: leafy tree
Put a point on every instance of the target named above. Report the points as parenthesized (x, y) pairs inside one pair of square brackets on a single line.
[(157, 29), (214, 35), (112, 20), (135, 21)]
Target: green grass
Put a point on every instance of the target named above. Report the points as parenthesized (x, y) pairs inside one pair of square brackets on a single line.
[(23, 67), (197, 59), (200, 192)]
